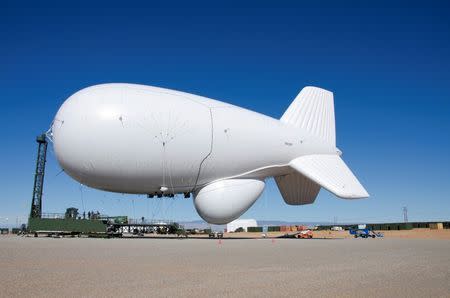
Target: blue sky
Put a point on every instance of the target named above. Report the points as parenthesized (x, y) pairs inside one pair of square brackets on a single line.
[(388, 65)]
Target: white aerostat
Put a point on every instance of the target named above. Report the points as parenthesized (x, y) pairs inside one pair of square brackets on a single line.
[(145, 140)]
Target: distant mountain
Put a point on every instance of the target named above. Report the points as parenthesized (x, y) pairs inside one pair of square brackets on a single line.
[(200, 224), (291, 223)]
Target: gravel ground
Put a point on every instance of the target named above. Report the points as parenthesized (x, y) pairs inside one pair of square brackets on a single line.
[(233, 267)]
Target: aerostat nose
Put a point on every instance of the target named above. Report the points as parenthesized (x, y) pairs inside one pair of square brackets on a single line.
[(69, 129), (84, 131)]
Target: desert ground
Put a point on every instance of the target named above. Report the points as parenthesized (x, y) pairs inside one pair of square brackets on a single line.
[(153, 267), (404, 234)]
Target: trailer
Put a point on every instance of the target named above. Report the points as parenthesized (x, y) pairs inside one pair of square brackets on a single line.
[(66, 226)]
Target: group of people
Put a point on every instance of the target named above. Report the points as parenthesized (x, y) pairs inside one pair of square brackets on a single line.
[(91, 215)]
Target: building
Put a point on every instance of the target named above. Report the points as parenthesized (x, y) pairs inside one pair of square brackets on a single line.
[(241, 223)]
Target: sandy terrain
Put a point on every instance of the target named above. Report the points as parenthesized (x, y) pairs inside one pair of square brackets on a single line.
[(410, 234), (233, 267)]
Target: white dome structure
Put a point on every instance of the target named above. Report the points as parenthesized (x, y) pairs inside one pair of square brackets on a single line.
[(241, 223)]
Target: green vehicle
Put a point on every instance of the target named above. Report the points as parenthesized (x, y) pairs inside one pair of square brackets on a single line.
[(182, 233)]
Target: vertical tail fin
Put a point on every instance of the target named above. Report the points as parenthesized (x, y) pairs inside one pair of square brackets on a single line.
[(313, 111)]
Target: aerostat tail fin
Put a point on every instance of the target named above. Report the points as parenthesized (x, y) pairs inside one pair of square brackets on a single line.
[(296, 189), (313, 111)]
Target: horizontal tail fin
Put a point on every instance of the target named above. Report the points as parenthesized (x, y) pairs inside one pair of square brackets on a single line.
[(313, 111), (330, 172)]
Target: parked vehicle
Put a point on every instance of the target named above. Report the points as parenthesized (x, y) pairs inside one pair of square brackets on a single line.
[(216, 235), (182, 233), (337, 228), (306, 234), (365, 233)]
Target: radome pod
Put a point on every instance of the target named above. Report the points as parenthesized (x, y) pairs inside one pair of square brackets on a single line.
[(223, 201)]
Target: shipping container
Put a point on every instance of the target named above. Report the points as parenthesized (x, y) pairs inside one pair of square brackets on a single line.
[(254, 229), (273, 228)]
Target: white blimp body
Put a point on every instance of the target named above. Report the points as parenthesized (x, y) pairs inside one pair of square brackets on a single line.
[(146, 140)]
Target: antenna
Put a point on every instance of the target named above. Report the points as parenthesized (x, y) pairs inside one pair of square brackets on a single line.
[(405, 214)]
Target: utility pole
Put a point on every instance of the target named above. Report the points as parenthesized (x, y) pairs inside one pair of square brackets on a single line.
[(405, 214)]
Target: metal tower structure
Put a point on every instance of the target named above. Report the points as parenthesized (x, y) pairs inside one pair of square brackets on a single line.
[(405, 214), (36, 202)]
